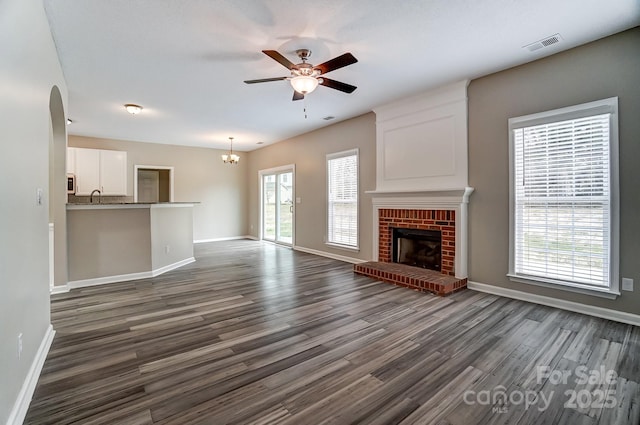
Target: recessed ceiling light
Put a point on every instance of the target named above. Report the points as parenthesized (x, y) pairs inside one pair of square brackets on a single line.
[(133, 109), (259, 143)]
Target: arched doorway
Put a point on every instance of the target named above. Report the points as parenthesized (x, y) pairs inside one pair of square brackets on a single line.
[(57, 198)]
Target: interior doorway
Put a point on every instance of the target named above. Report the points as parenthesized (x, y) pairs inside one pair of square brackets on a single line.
[(152, 183), (57, 193), (277, 204)]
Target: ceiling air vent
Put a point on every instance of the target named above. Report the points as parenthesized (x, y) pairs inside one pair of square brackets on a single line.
[(545, 42), (328, 118)]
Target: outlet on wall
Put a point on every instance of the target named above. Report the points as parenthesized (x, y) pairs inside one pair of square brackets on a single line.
[(627, 284), (19, 345)]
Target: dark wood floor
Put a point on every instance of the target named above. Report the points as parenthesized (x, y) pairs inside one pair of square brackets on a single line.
[(257, 334)]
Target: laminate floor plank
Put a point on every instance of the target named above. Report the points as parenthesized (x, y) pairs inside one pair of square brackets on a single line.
[(253, 333)]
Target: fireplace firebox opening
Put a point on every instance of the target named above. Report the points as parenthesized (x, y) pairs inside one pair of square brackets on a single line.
[(418, 248)]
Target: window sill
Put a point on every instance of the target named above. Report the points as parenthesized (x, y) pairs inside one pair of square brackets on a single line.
[(565, 286), (343, 247)]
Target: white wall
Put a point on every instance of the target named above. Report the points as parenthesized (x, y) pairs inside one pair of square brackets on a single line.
[(29, 68)]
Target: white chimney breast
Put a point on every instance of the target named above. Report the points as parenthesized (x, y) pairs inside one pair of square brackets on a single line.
[(426, 149), (422, 142), (421, 161)]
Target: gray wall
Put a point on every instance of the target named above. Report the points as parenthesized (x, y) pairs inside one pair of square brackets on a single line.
[(199, 176), (308, 152), (30, 69), (170, 227), (109, 242), (121, 240), (602, 69)]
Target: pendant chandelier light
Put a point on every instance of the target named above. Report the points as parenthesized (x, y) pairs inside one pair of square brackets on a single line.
[(230, 158)]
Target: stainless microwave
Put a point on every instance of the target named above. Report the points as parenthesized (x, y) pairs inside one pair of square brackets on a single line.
[(71, 183)]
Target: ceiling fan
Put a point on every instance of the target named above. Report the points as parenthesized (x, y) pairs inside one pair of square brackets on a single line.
[(305, 77)]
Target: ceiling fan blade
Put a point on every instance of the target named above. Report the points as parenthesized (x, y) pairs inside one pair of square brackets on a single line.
[(265, 80), (279, 58), (338, 85), (297, 96), (336, 63)]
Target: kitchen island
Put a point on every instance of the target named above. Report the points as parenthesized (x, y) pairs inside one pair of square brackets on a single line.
[(118, 242)]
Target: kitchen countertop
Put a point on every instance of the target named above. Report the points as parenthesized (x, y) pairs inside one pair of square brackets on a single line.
[(122, 205)]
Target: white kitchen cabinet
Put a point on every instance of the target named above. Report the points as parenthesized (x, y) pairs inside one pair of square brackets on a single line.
[(100, 169), (87, 171), (113, 172)]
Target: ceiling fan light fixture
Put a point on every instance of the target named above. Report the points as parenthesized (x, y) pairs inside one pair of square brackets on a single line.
[(304, 84)]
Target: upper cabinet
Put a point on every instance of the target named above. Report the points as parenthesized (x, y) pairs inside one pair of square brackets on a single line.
[(87, 170), (100, 169), (113, 172)]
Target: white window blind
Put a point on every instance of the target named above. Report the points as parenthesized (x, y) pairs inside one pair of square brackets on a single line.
[(562, 205), (342, 183)]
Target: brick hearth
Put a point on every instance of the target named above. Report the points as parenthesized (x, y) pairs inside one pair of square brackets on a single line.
[(411, 277)]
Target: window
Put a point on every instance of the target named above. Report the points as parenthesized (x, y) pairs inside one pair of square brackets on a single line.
[(564, 199), (342, 197)]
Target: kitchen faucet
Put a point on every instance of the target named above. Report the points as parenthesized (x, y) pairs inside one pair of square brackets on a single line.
[(91, 197)]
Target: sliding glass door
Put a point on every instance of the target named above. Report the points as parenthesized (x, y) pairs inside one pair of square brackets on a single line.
[(277, 205)]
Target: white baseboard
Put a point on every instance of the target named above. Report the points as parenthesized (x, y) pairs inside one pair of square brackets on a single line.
[(59, 289), (161, 270), (83, 283), (604, 313), (126, 277), (329, 255), (21, 406), (232, 238)]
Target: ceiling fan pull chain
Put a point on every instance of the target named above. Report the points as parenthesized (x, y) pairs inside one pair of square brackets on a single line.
[(304, 107)]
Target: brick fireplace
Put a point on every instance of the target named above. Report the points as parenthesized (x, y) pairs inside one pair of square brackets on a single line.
[(422, 184), (443, 211), (441, 220)]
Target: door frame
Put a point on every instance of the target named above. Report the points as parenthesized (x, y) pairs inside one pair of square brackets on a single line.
[(136, 167), (277, 170)]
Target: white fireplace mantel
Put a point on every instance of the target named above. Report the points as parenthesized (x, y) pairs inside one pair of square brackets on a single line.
[(452, 200), (419, 198)]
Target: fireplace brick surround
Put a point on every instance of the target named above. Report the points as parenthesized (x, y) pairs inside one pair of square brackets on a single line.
[(441, 220)]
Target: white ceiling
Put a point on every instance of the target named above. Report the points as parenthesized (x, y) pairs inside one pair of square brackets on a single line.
[(185, 61)]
